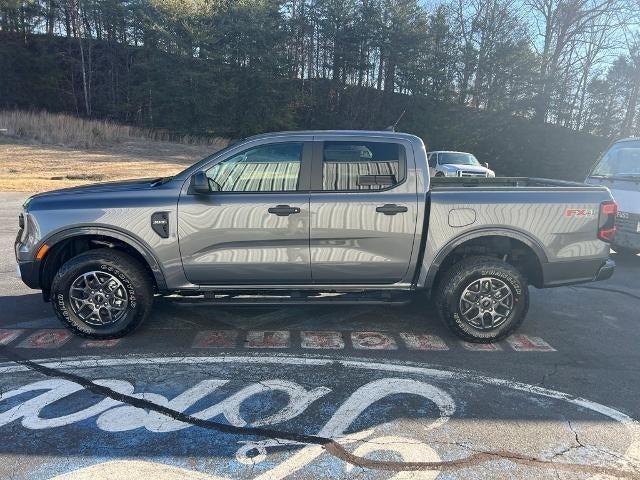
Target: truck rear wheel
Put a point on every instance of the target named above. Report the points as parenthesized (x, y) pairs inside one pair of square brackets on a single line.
[(102, 294), (482, 299)]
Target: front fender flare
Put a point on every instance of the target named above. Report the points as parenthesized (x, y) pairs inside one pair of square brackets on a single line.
[(139, 245)]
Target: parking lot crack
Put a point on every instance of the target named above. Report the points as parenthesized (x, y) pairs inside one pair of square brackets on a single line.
[(575, 434), (610, 290), (549, 374)]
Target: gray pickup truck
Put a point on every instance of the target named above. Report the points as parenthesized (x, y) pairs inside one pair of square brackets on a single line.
[(313, 217)]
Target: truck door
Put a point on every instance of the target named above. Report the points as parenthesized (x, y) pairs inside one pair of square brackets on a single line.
[(363, 210), (253, 228)]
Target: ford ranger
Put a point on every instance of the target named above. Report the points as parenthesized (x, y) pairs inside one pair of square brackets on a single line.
[(313, 217)]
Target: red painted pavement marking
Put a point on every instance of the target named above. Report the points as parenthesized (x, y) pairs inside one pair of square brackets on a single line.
[(112, 342), (215, 339), (373, 341), (267, 339), (324, 339), (482, 347), (50, 338), (526, 343), (419, 341), (7, 335)]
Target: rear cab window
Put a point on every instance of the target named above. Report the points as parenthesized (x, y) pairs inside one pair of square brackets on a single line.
[(353, 166)]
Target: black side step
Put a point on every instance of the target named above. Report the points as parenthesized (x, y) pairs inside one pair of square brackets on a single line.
[(351, 298)]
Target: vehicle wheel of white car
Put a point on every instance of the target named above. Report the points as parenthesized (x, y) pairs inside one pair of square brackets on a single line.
[(482, 299), (102, 294), (439, 174)]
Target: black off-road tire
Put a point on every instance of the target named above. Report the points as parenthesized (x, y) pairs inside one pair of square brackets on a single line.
[(453, 283), (130, 273)]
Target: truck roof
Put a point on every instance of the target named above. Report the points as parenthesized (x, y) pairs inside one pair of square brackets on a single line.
[(629, 139), (377, 133), (448, 151)]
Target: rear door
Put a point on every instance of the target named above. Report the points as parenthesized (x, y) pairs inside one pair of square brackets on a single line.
[(254, 228), (363, 208)]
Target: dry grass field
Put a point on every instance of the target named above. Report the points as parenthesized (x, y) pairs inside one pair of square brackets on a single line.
[(40, 152), (36, 168)]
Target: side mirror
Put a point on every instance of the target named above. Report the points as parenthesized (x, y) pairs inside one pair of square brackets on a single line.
[(200, 183), (486, 164)]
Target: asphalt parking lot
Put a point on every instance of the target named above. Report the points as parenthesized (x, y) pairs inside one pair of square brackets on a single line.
[(202, 391)]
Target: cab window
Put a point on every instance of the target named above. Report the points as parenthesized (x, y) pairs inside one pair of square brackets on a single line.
[(358, 166), (267, 168)]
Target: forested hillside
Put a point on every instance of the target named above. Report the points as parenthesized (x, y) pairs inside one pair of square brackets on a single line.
[(534, 87)]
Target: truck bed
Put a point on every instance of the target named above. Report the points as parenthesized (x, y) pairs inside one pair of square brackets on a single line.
[(556, 218), (503, 182)]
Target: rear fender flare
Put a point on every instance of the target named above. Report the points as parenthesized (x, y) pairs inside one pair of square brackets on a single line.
[(429, 272)]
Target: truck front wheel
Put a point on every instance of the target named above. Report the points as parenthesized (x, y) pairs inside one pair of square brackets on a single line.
[(482, 299), (102, 294)]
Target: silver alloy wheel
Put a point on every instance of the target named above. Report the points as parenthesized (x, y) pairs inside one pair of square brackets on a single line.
[(98, 298), (486, 303)]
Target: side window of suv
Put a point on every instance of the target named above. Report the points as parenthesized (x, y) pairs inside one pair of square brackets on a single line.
[(267, 168), (433, 157), (357, 166)]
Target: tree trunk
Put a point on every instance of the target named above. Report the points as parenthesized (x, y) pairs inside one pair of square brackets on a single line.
[(627, 124), (85, 87), (390, 76), (51, 17)]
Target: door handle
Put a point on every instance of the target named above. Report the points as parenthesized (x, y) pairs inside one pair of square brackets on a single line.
[(391, 209), (283, 210)]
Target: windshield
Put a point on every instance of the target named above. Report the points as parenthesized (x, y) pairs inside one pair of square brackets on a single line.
[(622, 160), (454, 158), (206, 159)]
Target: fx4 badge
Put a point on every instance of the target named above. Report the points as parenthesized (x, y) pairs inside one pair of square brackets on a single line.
[(578, 212)]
